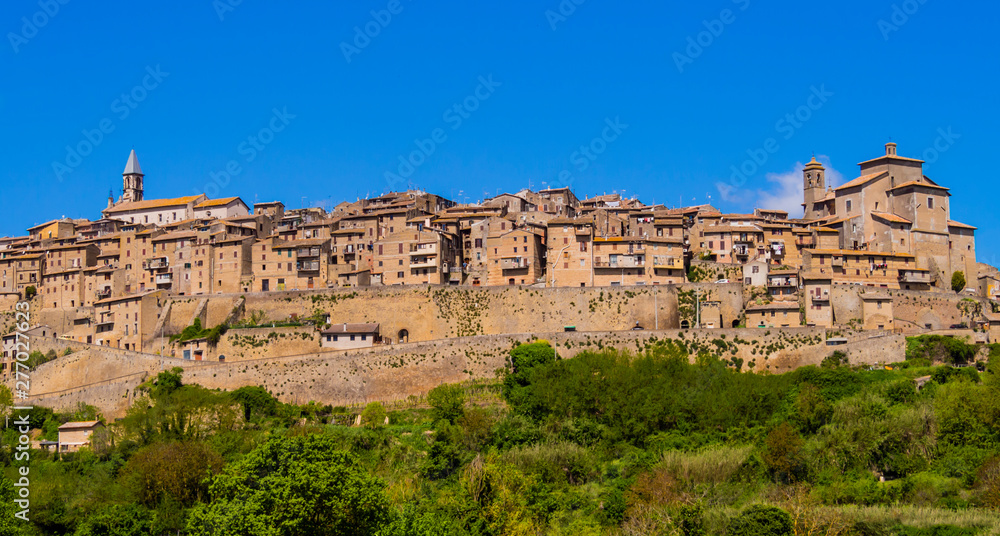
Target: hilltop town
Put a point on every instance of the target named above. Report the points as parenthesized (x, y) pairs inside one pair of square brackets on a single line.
[(879, 253)]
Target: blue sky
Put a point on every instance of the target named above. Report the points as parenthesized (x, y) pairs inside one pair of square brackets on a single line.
[(346, 109)]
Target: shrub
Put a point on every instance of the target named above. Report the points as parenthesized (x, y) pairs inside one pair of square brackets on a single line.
[(958, 281), (988, 483), (174, 471), (834, 360), (783, 452), (760, 520), (30, 291), (373, 415), (447, 402), (255, 400)]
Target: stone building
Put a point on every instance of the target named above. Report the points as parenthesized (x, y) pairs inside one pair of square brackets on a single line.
[(570, 252), (892, 208), (75, 435), (778, 314), (515, 257), (876, 309), (349, 336)]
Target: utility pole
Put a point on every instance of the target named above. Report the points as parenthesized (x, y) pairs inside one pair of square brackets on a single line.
[(697, 308), (656, 310)]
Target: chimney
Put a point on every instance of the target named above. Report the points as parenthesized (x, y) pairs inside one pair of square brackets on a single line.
[(890, 149)]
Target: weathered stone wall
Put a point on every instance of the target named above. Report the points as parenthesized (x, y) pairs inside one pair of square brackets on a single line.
[(435, 312), (711, 271), (107, 377), (847, 304), (914, 309), (258, 343), (182, 310)]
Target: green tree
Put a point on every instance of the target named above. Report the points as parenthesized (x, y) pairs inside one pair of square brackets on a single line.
[(6, 400), (447, 402), (9, 525), (293, 486), (958, 281), (760, 520), (523, 360), (30, 291), (167, 382), (811, 410), (171, 471), (255, 401), (373, 416), (119, 520), (783, 452), (692, 521)]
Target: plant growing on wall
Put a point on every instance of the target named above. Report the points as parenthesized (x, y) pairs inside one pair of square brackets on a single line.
[(958, 281)]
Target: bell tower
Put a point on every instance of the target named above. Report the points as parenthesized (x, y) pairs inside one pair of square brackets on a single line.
[(813, 187), (132, 180)]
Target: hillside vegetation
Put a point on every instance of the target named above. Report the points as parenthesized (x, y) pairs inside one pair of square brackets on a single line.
[(604, 443)]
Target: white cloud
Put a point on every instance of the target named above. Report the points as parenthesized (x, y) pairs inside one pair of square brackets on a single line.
[(786, 190)]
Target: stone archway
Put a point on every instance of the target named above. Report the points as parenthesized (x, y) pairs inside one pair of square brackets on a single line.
[(685, 324), (404, 335)]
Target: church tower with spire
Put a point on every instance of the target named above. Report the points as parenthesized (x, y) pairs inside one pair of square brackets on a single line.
[(132, 180)]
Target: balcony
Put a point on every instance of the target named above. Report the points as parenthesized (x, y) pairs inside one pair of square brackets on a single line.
[(155, 263), (821, 297), (103, 293), (307, 266), (661, 261), (837, 262), (304, 253), (514, 263), (743, 239), (583, 231), (621, 261), (426, 262), (783, 282), (741, 251), (164, 279), (423, 249), (914, 276)]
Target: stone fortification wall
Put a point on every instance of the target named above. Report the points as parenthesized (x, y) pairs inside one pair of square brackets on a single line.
[(107, 377)]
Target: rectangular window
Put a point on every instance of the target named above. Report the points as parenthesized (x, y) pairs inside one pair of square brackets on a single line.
[(930, 202)]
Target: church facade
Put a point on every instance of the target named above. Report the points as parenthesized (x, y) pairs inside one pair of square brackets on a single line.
[(893, 208)]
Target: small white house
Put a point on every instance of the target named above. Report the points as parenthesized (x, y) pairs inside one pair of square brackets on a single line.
[(347, 336)]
